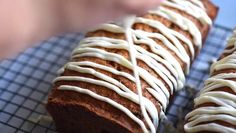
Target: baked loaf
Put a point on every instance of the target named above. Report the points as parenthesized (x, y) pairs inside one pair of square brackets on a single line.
[(97, 92), (215, 107)]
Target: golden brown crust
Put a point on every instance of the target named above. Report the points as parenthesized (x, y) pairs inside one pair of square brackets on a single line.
[(72, 102)]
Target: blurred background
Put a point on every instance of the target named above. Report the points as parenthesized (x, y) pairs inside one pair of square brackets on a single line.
[(227, 13)]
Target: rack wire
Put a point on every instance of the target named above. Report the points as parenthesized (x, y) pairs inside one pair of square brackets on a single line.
[(26, 80)]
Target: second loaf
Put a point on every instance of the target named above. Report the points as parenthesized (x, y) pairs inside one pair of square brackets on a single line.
[(215, 107)]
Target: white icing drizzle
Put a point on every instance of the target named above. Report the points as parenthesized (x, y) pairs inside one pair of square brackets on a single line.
[(159, 59), (228, 62), (190, 8), (226, 109), (110, 27), (182, 22), (199, 4), (128, 22), (157, 49)]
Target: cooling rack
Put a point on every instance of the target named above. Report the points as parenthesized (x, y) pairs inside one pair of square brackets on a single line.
[(26, 80)]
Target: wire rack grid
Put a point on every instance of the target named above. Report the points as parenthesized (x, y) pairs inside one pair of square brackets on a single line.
[(26, 81)]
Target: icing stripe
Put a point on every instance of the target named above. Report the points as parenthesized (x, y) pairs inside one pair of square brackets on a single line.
[(191, 9), (182, 22)]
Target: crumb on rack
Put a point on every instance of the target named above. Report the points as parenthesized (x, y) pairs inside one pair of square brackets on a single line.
[(41, 118)]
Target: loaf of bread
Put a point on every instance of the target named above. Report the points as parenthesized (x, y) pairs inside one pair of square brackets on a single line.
[(102, 89), (215, 107)]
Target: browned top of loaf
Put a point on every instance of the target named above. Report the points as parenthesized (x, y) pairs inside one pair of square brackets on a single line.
[(105, 110)]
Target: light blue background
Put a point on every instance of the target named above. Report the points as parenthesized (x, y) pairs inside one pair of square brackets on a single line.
[(227, 13)]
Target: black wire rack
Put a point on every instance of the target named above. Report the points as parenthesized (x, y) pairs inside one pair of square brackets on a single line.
[(26, 81)]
